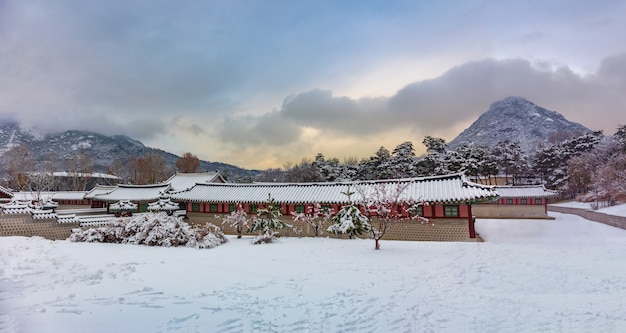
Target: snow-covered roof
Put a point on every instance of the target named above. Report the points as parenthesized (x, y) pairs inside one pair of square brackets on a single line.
[(134, 193), (123, 205), (439, 189), (528, 191), (164, 204), (43, 214), (7, 192), (85, 175), (99, 190), (47, 195), (184, 181)]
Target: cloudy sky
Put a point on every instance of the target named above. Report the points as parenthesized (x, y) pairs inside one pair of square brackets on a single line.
[(259, 83)]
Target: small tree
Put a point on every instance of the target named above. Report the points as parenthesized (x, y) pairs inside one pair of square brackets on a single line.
[(266, 222), (314, 216), (349, 220), (237, 219), (386, 204)]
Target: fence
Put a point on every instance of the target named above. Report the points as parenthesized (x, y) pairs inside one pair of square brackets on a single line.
[(612, 220)]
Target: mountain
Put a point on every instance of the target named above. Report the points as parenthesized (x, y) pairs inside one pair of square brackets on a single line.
[(102, 149), (517, 119)]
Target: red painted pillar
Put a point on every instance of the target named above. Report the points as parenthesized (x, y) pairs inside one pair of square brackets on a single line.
[(470, 220)]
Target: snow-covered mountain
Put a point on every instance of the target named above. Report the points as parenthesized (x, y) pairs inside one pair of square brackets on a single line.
[(102, 149), (517, 119)]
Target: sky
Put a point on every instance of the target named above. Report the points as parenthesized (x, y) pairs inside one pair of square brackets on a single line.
[(258, 84)]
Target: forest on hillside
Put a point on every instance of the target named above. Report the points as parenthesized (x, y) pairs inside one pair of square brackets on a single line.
[(590, 164)]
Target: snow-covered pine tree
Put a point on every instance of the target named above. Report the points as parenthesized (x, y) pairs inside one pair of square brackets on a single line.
[(349, 220), (267, 222), (403, 163)]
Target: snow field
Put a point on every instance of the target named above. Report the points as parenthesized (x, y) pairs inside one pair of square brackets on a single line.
[(562, 275)]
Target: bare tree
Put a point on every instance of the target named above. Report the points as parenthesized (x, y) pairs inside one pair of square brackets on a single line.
[(20, 163), (148, 169), (188, 163), (80, 171)]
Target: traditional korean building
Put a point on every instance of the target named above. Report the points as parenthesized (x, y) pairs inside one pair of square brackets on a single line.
[(142, 195), (5, 194), (517, 202), (448, 201)]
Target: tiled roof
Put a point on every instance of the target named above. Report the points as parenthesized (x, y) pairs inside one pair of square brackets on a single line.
[(534, 191), (439, 189), (133, 193), (47, 195), (185, 181), (99, 190), (163, 205), (7, 192), (122, 205)]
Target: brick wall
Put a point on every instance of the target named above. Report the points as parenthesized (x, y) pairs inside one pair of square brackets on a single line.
[(24, 225), (612, 220)]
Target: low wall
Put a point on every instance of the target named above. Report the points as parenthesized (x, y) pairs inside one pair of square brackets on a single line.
[(451, 230), (490, 211), (24, 225), (612, 220)]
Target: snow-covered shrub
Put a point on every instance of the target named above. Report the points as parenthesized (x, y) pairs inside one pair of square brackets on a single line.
[(153, 229), (206, 237), (266, 222)]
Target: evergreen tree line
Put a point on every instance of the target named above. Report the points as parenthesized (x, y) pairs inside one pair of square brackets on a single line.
[(588, 163)]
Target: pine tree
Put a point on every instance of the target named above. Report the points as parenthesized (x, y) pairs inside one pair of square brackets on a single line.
[(349, 220), (267, 222)]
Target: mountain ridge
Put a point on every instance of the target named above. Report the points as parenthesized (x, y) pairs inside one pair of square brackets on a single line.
[(102, 149), (517, 119)]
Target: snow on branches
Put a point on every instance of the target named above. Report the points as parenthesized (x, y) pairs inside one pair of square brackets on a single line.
[(315, 216), (349, 220), (237, 220), (387, 205), (266, 222), (153, 229)]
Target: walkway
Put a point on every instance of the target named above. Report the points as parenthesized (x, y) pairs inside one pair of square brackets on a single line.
[(612, 220)]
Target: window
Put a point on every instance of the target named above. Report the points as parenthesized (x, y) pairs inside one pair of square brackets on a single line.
[(299, 209), (538, 201), (195, 207), (253, 208), (213, 208), (524, 201), (232, 207), (451, 211), (418, 211), (509, 201)]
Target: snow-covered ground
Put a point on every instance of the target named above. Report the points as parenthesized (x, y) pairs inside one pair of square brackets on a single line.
[(562, 275), (618, 210)]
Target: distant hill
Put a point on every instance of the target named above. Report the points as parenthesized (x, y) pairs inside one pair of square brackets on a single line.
[(517, 119), (102, 149)]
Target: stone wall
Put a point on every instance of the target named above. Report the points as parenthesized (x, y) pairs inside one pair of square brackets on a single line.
[(24, 225), (451, 230), (612, 220), (489, 211)]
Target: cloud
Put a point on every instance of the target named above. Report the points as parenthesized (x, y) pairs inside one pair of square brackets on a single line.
[(268, 129), (437, 105)]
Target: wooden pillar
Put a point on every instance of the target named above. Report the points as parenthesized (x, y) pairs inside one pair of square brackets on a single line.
[(470, 220)]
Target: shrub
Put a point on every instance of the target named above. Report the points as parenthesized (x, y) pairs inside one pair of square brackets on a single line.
[(153, 229)]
